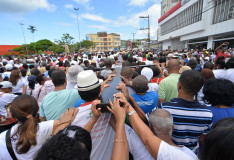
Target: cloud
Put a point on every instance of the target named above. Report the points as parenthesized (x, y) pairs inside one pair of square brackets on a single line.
[(85, 3), (137, 2), (99, 27), (69, 6), (25, 6), (95, 17), (65, 24)]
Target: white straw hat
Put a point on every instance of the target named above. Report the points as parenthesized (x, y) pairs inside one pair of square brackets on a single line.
[(87, 80)]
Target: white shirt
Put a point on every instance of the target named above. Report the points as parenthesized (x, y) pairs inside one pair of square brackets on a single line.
[(153, 87), (220, 73), (165, 152), (102, 133), (70, 85), (18, 88), (230, 74), (5, 99), (6, 74), (45, 129)]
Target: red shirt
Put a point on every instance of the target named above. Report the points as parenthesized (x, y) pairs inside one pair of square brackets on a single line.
[(221, 54), (158, 80)]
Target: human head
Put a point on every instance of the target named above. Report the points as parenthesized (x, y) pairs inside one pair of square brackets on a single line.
[(207, 74), (219, 64), (31, 82), (41, 79), (174, 66), (230, 63), (6, 86), (156, 71), (140, 84), (161, 122), (50, 72), (23, 72), (14, 77), (127, 72), (219, 92), (192, 63), (25, 108), (184, 68), (35, 72), (209, 65), (58, 78), (125, 63), (72, 142), (218, 143), (190, 82), (108, 63), (147, 72)]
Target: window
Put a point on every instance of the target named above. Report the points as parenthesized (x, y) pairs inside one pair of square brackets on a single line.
[(97, 48), (97, 39), (224, 10), (101, 39), (97, 43), (109, 43), (105, 48), (101, 43), (110, 48), (109, 39), (104, 39), (105, 43)]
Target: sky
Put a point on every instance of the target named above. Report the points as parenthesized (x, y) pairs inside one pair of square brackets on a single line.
[(52, 18)]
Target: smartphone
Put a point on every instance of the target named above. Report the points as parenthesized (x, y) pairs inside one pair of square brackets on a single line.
[(103, 107)]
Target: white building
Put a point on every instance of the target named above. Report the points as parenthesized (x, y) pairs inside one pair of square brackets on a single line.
[(166, 5), (198, 24)]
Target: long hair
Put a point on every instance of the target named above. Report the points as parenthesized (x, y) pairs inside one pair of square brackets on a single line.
[(25, 108), (14, 77)]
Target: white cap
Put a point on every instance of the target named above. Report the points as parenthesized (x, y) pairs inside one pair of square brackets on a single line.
[(9, 67), (6, 84)]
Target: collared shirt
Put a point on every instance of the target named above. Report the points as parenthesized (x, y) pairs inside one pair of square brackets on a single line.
[(168, 87)]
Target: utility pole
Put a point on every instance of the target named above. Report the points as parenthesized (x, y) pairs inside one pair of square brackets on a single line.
[(77, 9), (24, 38), (33, 30), (133, 44), (148, 18)]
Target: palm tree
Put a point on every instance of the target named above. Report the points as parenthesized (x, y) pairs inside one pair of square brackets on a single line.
[(33, 30)]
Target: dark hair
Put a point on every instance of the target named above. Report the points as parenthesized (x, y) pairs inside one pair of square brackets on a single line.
[(25, 108), (192, 64), (90, 95), (135, 74), (31, 66), (156, 71), (108, 63), (209, 65), (207, 74), (72, 143), (191, 81), (35, 72), (23, 72), (67, 64), (126, 72), (125, 63), (14, 77), (162, 59), (219, 92), (50, 72), (48, 67), (125, 57), (230, 63), (31, 84), (140, 84), (218, 143), (25, 66), (40, 79), (220, 63), (86, 62), (58, 77), (60, 63)]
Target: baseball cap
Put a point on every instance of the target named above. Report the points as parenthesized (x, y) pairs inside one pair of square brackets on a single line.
[(9, 67), (5, 84)]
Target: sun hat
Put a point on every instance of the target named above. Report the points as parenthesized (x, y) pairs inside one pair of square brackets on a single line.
[(87, 80), (9, 67), (5, 84), (147, 72), (170, 55), (72, 73)]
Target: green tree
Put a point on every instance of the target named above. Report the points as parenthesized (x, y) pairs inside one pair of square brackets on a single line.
[(87, 44), (43, 44), (66, 39)]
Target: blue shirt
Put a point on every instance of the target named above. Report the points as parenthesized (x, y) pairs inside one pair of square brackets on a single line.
[(220, 113), (56, 103), (46, 74), (146, 102)]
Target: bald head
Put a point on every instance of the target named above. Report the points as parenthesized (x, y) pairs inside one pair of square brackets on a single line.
[(140, 84), (161, 122), (174, 66)]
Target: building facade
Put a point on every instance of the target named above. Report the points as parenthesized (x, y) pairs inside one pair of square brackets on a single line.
[(104, 42), (166, 5), (197, 24)]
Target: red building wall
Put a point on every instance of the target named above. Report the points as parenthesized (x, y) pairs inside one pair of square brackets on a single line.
[(7, 49)]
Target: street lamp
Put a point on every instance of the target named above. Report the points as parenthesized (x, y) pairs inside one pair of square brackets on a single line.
[(24, 38), (77, 9)]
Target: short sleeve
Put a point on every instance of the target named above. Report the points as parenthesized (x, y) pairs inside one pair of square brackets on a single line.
[(161, 90), (45, 129), (42, 113)]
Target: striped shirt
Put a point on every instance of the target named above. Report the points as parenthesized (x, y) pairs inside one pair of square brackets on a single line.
[(191, 120)]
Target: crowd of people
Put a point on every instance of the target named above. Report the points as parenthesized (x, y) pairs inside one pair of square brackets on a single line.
[(168, 105)]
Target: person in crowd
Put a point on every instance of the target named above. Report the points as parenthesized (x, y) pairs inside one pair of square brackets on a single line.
[(72, 73), (89, 88), (219, 93), (192, 63), (168, 86), (29, 89), (220, 52), (6, 97), (6, 74), (27, 136), (184, 68), (156, 73), (58, 101), (145, 100), (48, 85), (43, 68), (220, 71), (24, 74), (17, 82), (218, 143), (126, 75), (191, 119), (38, 93), (209, 65), (105, 72), (47, 71), (148, 73), (35, 72), (230, 69)]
